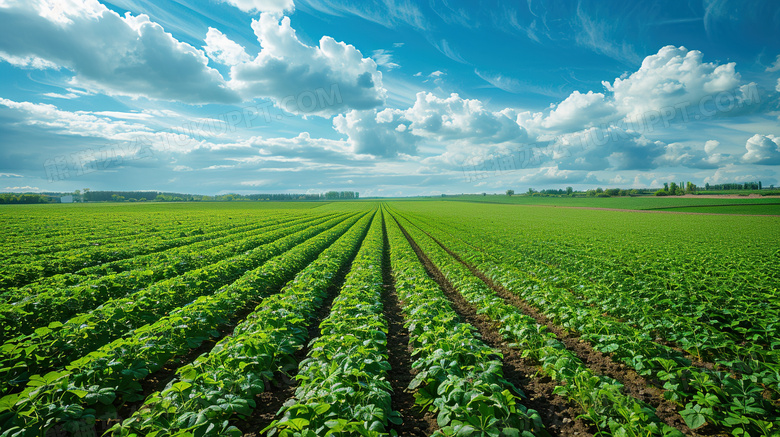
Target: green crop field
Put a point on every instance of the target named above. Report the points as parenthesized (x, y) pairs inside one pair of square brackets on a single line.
[(749, 209), (447, 317), (637, 203)]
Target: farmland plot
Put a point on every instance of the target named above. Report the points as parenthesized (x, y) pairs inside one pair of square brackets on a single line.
[(405, 318)]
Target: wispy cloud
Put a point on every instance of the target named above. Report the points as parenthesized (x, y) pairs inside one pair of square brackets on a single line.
[(600, 36), (676, 21), (387, 13), (23, 189), (774, 67), (444, 47), (384, 58), (61, 96), (515, 86)]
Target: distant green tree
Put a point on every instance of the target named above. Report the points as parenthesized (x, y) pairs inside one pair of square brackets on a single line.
[(569, 191), (510, 192)]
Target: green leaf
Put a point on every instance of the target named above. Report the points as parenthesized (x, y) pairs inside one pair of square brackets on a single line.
[(321, 409), (298, 424), (693, 417), (465, 431), (79, 393)]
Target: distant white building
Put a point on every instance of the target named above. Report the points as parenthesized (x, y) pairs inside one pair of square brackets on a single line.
[(66, 199)]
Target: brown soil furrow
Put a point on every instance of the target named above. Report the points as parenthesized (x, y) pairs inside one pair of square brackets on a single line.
[(158, 380), (276, 393), (558, 415), (415, 424), (695, 360), (634, 384), (283, 387)]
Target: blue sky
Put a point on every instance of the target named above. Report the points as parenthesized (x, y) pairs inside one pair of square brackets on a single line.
[(386, 97)]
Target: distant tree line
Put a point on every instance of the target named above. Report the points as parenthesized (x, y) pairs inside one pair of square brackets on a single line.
[(616, 192), (87, 195), (341, 195), (142, 196), (735, 186), (106, 196), (567, 192), (12, 198), (598, 192), (674, 189)]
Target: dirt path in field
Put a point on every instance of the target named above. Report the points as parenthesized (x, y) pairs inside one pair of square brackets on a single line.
[(558, 415), (401, 373), (634, 384)]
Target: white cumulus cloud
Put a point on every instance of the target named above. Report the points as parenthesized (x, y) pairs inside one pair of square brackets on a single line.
[(263, 5), (612, 148), (579, 111), (455, 118), (682, 155), (127, 55), (673, 76), (224, 50), (324, 80), (384, 133), (762, 149), (462, 123)]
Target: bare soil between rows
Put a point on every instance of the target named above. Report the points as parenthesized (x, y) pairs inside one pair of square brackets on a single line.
[(634, 384), (415, 423), (558, 415), (282, 388)]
